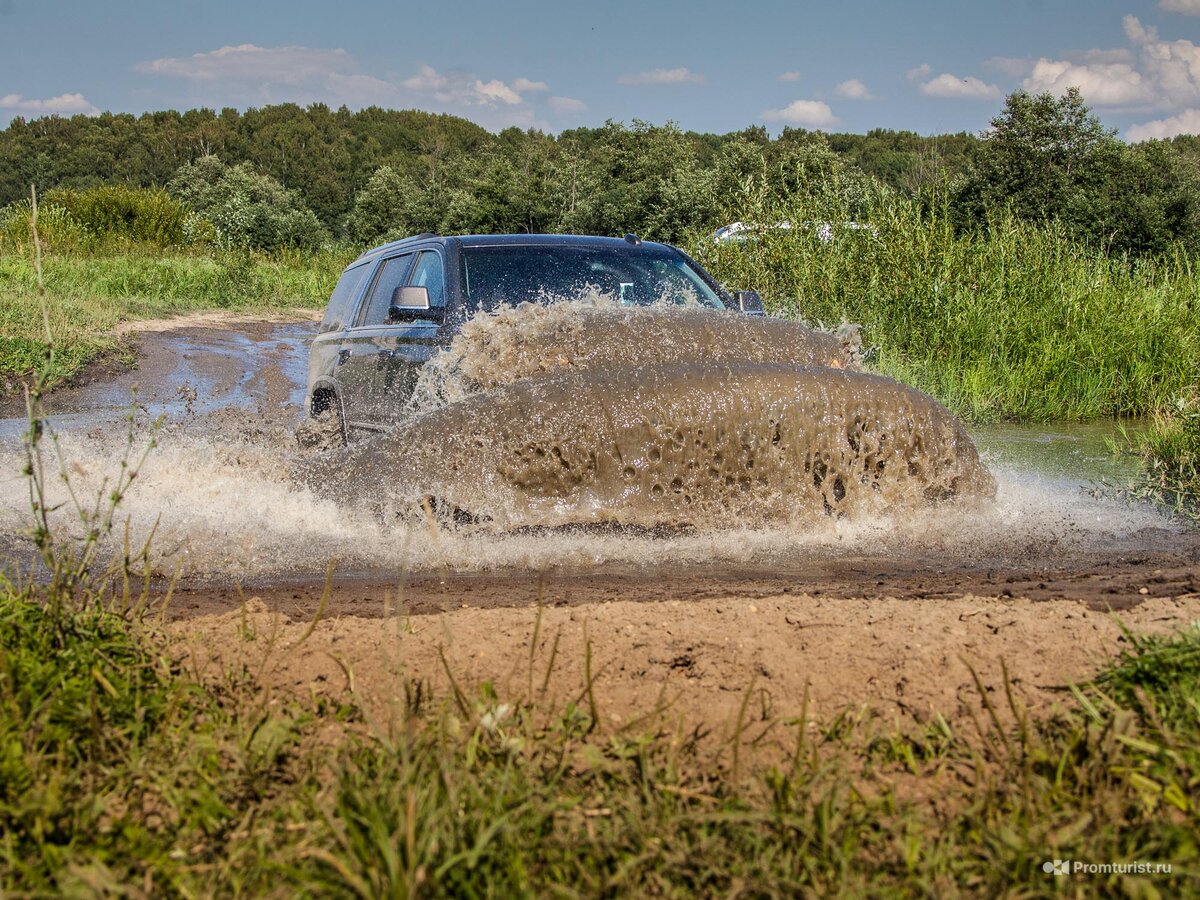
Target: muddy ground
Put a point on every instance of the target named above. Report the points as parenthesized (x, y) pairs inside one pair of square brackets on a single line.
[(892, 631), (697, 659)]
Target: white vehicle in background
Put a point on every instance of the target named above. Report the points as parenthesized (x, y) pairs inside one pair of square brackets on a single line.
[(825, 231)]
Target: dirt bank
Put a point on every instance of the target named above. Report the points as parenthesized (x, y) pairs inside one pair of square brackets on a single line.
[(905, 659)]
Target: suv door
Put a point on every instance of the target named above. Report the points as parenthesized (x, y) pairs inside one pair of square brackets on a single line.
[(416, 341), (368, 344)]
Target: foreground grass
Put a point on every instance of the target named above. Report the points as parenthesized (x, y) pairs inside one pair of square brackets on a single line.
[(118, 769), (1017, 322), (88, 295)]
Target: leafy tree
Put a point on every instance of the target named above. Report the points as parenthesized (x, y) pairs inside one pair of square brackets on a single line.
[(387, 207), (1152, 203), (1040, 155), (248, 209), (1049, 157)]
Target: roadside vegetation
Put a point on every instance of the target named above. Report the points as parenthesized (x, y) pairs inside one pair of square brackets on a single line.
[(1014, 321), (124, 771), (1170, 452), (112, 255)]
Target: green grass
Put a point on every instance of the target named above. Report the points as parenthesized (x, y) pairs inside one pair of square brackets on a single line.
[(119, 768), (89, 295), (1015, 323), (1170, 454)]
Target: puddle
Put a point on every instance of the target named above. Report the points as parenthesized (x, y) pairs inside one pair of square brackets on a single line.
[(1064, 453), (189, 372)]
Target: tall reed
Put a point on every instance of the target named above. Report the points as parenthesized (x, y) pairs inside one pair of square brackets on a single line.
[(1014, 322)]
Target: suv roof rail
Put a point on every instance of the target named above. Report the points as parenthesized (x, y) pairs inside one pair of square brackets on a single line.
[(389, 244)]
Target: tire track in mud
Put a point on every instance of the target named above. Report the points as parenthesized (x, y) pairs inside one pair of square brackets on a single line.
[(1098, 583)]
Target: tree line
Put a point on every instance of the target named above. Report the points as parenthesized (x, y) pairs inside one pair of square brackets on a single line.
[(291, 176)]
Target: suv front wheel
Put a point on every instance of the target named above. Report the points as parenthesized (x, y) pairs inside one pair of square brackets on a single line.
[(324, 429)]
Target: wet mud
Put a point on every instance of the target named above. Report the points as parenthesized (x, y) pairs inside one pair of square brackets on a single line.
[(595, 334), (585, 411)]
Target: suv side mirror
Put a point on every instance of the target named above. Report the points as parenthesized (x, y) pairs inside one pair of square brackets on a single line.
[(749, 302), (411, 303)]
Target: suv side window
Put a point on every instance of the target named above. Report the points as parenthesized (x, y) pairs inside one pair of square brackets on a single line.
[(391, 276), (427, 273), (341, 301)]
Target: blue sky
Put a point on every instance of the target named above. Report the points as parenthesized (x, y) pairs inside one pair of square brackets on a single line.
[(931, 67)]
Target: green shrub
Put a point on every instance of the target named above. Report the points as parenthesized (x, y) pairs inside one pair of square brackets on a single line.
[(57, 229), (1170, 452), (117, 212)]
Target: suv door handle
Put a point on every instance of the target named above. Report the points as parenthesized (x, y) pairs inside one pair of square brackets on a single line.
[(343, 355)]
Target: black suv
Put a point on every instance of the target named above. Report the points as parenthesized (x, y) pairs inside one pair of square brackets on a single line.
[(396, 305)]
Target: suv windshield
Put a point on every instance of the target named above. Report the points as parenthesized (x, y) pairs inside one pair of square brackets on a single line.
[(635, 276)]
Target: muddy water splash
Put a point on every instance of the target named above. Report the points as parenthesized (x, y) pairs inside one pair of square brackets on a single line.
[(594, 333), (697, 444), (743, 429)]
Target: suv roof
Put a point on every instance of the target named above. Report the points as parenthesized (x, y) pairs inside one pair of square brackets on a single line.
[(484, 240)]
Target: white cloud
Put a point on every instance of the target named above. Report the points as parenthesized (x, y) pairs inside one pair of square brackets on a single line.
[(247, 73), (63, 104), (566, 105), (681, 75), (1102, 84), (1187, 122), (1150, 74), (1187, 7), (853, 90), (281, 65), (463, 88), (495, 91), (948, 85), (790, 76), (1110, 55), (525, 86), (919, 72), (809, 113), (1172, 66)]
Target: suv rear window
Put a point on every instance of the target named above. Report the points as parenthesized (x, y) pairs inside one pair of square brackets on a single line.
[(341, 301), (513, 274)]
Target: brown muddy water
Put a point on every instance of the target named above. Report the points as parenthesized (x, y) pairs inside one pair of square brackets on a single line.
[(601, 466)]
